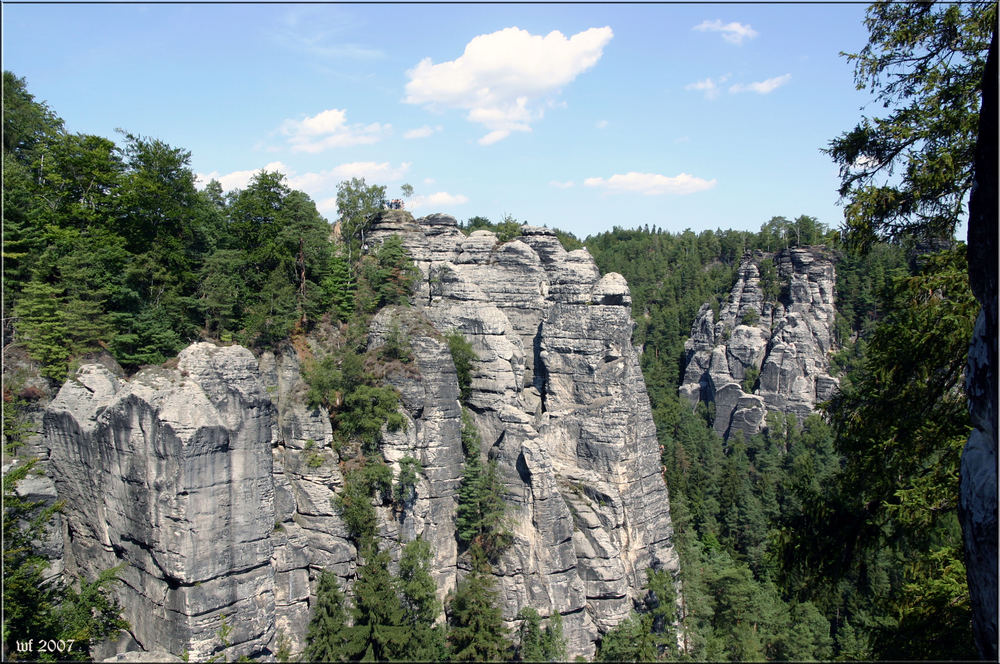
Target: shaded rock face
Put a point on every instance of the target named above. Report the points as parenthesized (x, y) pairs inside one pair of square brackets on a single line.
[(213, 481), (763, 355)]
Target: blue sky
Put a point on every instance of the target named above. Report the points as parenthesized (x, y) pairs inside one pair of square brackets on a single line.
[(580, 117)]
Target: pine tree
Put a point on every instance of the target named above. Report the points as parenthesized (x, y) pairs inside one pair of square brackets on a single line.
[(326, 636), (379, 631), (42, 328), (476, 625), (480, 512), (553, 641), (530, 647), (425, 640), (630, 641), (37, 606)]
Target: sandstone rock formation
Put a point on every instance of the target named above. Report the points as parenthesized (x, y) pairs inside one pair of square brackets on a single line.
[(213, 480), (765, 353), (171, 474)]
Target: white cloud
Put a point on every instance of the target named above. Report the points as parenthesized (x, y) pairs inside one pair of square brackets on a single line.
[(328, 207), (329, 129), (601, 124), (761, 87), (651, 184), (322, 33), (561, 185), (314, 183), (422, 132), (710, 86), (733, 33), (864, 163), (505, 79), (429, 180), (238, 179), (371, 171), (436, 201)]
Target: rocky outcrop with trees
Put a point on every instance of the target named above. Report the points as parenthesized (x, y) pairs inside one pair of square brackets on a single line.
[(220, 480), (768, 347)]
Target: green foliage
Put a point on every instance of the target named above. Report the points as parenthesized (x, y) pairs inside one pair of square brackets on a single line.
[(901, 423), (379, 631), (389, 276), (770, 283), (568, 241), (462, 355), (425, 640), (283, 647), (780, 233), (405, 491), (358, 204), (326, 636), (354, 503), (340, 286), (358, 408), (750, 379), (630, 641), (26, 123), (366, 410), (648, 635), (909, 171), (529, 634), (396, 346), (505, 230), (43, 328), (750, 317), (476, 633), (538, 644), (41, 608), (479, 521), (135, 258)]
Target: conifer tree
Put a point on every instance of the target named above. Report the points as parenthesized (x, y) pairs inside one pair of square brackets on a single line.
[(530, 647), (326, 636), (425, 640), (538, 644), (477, 633), (480, 512), (379, 631)]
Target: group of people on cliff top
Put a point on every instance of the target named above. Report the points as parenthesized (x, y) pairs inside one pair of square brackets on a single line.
[(394, 204)]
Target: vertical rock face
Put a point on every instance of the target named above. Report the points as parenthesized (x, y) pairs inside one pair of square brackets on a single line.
[(213, 481), (978, 487), (561, 405), (765, 355), (171, 473)]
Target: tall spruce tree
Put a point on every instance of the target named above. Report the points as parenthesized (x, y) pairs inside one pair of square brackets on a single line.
[(476, 630), (379, 630), (425, 640), (327, 638)]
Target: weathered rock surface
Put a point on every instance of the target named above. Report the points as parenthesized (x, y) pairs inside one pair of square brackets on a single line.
[(213, 481), (785, 343), (561, 405), (171, 473)]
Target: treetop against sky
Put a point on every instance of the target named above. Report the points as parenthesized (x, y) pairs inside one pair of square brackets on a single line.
[(576, 116)]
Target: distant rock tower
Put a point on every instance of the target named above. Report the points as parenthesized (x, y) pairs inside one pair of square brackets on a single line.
[(770, 348)]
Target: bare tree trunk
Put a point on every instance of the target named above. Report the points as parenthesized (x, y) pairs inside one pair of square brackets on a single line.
[(978, 485)]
